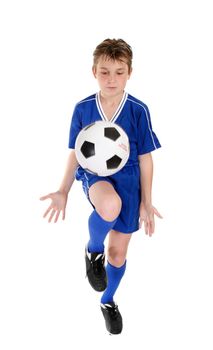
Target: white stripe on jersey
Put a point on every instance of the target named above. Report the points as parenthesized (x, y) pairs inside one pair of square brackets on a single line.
[(89, 99), (120, 107)]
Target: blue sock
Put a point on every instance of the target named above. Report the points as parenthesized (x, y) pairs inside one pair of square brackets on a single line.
[(98, 229), (114, 276)]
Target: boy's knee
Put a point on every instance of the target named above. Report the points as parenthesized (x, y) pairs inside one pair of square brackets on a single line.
[(116, 256), (110, 208)]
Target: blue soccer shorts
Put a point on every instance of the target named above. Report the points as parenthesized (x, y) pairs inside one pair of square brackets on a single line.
[(126, 183)]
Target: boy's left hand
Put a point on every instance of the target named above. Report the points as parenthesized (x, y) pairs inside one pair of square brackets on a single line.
[(147, 213)]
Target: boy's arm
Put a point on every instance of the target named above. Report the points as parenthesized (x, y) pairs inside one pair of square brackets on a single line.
[(146, 176), (69, 175), (147, 211)]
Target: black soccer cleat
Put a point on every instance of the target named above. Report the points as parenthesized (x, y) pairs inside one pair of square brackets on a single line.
[(95, 270), (113, 318)]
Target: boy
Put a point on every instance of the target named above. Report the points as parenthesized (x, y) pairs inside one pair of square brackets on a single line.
[(121, 202)]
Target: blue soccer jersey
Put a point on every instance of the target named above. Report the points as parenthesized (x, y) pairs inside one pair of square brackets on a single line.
[(132, 115)]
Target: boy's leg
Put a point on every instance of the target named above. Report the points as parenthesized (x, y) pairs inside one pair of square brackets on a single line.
[(117, 251), (107, 205), (107, 208)]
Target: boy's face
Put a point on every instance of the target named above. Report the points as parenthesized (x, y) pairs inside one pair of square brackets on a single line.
[(112, 76)]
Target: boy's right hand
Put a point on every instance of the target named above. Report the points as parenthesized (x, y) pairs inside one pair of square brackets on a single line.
[(58, 204)]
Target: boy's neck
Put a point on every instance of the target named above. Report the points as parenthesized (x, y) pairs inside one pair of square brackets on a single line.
[(110, 104), (111, 100)]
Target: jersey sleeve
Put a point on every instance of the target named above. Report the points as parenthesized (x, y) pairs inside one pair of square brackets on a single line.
[(75, 127), (147, 140)]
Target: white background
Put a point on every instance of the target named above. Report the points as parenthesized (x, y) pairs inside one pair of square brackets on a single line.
[(46, 57)]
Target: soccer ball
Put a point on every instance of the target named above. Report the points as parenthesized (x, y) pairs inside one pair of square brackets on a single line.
[(102, 148)]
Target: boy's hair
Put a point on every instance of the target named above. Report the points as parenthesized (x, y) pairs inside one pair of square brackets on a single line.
[(114, 49)]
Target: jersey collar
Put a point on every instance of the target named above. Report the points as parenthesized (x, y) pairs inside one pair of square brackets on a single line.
[(117, 112)]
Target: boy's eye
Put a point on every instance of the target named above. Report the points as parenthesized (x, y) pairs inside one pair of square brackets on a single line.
[(120, 73)]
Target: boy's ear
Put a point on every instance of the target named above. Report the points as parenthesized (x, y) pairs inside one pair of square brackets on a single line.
[(94, 71), (130, 73)]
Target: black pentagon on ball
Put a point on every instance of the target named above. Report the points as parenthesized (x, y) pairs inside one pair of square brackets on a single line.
[(88, 149), (111, 133), (114, 162)]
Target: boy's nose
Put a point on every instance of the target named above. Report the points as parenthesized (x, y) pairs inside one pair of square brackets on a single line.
[(111, 78)]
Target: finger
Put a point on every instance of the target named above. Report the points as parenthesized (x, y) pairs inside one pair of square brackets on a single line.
[(150, 232), (44, 197), (150, 229), (152, 226), (146, 227), (57, 216), (47, 211), (63, 214), (51, 215), (157, 213)]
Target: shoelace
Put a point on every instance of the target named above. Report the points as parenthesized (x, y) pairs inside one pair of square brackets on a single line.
[(113, 311), (97, 266)]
